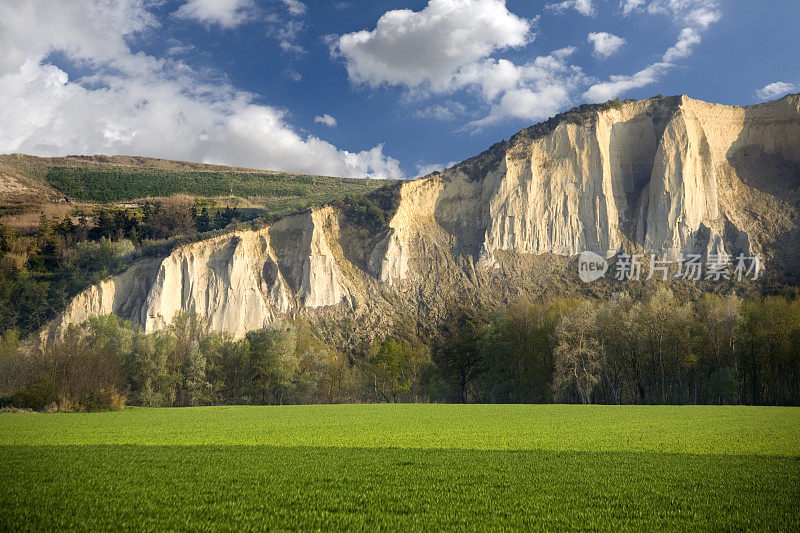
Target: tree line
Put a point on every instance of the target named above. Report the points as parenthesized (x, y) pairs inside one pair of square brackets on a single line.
[(41, 270), (654, 349)]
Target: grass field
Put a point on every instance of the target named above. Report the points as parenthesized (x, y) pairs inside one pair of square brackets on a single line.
[(116, 184), (403, 467)]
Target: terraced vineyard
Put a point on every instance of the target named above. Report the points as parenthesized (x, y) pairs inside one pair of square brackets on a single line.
[(407, 467)]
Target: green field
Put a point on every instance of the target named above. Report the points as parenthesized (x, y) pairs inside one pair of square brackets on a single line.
[(283, 191), (403, 467)]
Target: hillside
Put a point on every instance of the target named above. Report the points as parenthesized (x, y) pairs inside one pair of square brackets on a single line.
[(668, 176), (28, 182)]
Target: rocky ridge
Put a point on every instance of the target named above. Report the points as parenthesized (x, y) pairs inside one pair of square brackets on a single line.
[(663, 175)]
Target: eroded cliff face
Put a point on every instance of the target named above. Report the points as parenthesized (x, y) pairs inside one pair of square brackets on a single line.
[(240, 281), (664, 175)]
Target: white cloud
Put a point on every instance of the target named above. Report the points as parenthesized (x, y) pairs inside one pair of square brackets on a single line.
[(704, 17), (542, 89), (447, 47), (695, 16), (291, 47), (229, 14), (688, 38), (619, 84), (775, 90), (293, 75), (295, 7), (326, 120), (529, 104), (631, 6), (132, 103), (423, 169), (286, 32), (450, 110), (696, 13), (584, 7), (225, 13), (605, 44), (180, 49), (492, 76), (429, 47)]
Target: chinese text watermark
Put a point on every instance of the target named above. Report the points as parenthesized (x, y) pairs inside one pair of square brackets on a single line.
[(688, 267)]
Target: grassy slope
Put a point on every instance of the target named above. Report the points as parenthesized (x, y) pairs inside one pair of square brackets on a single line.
[(403, 467), (120, 178), (115, 184)]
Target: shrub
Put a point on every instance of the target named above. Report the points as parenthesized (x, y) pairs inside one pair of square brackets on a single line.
[(104, 254)]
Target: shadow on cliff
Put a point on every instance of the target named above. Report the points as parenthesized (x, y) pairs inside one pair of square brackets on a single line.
[(773, 178)]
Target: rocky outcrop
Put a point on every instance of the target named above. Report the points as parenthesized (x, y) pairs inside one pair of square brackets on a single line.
[(240, 281), (664, 175)]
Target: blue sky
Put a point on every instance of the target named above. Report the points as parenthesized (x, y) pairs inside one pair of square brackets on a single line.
[(381, 88)]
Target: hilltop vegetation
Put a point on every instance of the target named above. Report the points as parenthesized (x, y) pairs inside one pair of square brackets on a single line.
[(103, 179), (280, 191)]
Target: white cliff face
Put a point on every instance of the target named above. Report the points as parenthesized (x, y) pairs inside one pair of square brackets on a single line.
[(646, 174), (664, 175), (389, 260), (239, 281), (221, 279)]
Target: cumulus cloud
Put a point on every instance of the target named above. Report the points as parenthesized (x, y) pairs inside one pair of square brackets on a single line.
[(704, 17), (326, 120), (449, 46), (540, 90), (429, 47), (694, 15), (584, 7), (133, 103), (225, 13), (774, 90), (605, 44)]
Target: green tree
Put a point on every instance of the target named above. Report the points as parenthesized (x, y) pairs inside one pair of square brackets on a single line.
[(198, 389), (272, 361), (147, 369), (385, 370), (9, 342), (618, 335), (457, 354), (519, 353)]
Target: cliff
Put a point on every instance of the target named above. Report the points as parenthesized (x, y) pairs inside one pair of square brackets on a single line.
[(663, 175)]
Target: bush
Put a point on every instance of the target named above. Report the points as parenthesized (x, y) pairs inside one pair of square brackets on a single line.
[(95, 256)]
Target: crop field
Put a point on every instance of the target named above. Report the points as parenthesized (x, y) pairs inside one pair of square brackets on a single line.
[(116, 184), (403, 467)]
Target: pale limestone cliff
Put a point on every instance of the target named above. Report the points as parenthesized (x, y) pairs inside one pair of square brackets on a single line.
[(664, 175), (240, 281)]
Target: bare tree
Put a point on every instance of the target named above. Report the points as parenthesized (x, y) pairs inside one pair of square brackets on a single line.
[(616, 325), (578, 355)]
